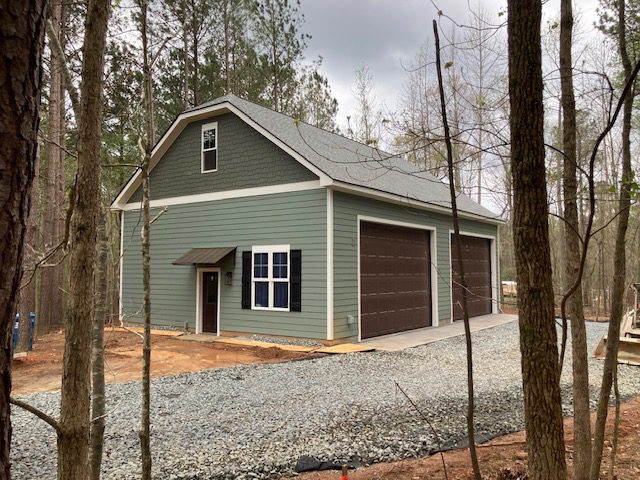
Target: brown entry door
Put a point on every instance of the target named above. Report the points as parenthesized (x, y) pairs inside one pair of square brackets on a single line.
[(210, 302), (395, 279), (476, 257)]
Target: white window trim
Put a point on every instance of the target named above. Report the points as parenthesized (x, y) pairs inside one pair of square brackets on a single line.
[(205, 127), (270, 250)]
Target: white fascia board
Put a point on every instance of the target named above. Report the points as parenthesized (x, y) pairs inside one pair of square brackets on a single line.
[(227, 194), (178, 126), (406, 201)]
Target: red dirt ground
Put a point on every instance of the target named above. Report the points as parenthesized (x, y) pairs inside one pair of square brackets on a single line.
[(41, 370), (504, 458)]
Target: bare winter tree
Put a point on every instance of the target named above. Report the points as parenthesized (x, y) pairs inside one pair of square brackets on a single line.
[(22, 27), (51, 299), (73, 437), (581, 415), (147, 143), (367, 120), (98, 400), (456, 232), (619, 258), (538, 339)]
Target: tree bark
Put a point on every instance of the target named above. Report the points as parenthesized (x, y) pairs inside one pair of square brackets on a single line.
[(226, 8), (97, 364), (538, 338), (51, 298), (73, 440), (28, 297), (581, 412), (619, 258), (456, 229), (185, 55), (144, 434), (22, 28)]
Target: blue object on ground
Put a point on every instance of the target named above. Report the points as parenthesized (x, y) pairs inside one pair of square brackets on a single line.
[(32, 328), (16, 332)]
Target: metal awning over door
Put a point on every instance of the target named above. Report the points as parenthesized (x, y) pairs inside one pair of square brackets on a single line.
[(395, 279), (204, 256)]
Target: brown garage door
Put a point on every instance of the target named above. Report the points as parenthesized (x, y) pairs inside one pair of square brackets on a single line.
[(395, 279), (476, 255)]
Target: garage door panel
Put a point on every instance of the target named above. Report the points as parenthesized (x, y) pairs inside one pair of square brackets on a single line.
[(395, 279), (476, 256)]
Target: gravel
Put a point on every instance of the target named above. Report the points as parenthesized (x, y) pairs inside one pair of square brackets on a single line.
[(301, 342), (255, 421)]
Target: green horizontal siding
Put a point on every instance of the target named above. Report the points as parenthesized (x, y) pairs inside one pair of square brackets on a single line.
[(296, 218), (246, 159), (346, 208)]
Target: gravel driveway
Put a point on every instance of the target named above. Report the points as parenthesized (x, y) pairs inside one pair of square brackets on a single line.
[(255, 421)]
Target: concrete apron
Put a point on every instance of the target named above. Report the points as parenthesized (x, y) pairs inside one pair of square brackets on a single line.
[(423, 336)]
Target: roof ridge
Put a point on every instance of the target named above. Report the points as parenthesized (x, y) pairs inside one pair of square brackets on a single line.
[(218, 100)]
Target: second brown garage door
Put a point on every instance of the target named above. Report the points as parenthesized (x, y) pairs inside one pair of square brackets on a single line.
[(476, 255), (395, 279)]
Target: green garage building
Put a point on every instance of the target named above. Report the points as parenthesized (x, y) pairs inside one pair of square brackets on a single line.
[(276, 227)]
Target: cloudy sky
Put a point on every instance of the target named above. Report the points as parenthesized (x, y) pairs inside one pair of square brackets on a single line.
[(385, 35)]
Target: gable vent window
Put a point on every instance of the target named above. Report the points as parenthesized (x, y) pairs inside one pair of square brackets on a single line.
[(271, 278), (209, 147)]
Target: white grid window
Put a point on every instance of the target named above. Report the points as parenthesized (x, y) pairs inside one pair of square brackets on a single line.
[(270, 278), (209, 160)]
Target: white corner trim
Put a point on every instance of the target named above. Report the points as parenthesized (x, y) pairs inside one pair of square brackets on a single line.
[(495, 285), (498, 274), (208, 126), (406, 201), (358, 273), (330, 331), (433, 250), (228, 194), (199, 272), (121, 261), (187, 117)]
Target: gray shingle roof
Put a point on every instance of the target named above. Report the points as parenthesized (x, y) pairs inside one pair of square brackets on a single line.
[(352, 162)]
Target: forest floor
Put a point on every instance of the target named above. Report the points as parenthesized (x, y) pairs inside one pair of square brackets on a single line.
[(41, 370), (505, 457)]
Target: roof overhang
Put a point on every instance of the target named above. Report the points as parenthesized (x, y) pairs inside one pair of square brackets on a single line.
[(179, 125), (205, 256), (408, 201)]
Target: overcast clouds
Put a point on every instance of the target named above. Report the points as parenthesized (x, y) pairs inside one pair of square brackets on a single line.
[(383, 34)]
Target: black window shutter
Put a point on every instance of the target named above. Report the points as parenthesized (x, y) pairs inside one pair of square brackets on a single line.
[(246, 280), (296, 281)]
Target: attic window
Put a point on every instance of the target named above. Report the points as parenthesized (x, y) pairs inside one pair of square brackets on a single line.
[(209, 148)]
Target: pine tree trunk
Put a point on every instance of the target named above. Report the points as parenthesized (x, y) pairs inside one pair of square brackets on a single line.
[(22, 28), (619, 257), (226, 7), (185, 56), (27, 303), (51, 298), (73, 440), (97, 364), (145, 434), (538, 339), (580, 367), (114, 268)]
